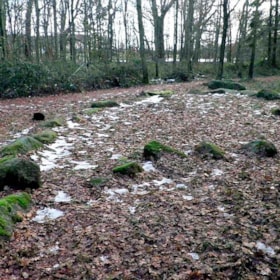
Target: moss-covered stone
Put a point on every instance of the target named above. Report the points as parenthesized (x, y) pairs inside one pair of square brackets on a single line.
[(129, 168), (154, 150), (261, 147), (19, 174), (52, 123), (22, 145), (275, 111), (215, 84), (104, 103), (268, 94), (207, 149), (46, 136), (9, 212)]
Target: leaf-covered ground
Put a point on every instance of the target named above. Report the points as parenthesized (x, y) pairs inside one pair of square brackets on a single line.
[(183, 218)]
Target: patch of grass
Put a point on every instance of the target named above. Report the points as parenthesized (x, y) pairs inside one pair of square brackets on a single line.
[(98, 181)]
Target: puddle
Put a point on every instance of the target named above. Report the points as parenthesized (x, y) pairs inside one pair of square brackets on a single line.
[(47, 214), (62, 197)]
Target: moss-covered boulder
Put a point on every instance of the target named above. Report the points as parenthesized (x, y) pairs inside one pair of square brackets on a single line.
[(104, 103), (275, 111), (154, 150), (52, 123), (261, 147), (46, 136), (268, 94), (129, 168), (10, 208), (19, 174), (209, 150), (217, 84), (22, 145)]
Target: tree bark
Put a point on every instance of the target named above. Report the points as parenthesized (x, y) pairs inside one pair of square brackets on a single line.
[(145, 78)]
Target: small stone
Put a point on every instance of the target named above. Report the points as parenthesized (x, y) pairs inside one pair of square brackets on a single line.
[(25, 275)]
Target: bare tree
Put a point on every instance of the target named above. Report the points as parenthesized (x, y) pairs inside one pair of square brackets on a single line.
[(145, 78), (2, 30)]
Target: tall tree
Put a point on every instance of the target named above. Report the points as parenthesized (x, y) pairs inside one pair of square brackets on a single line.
[(275, 34), (2, 30), (145, 78), (28, 38), (255, 23), (226, 15)]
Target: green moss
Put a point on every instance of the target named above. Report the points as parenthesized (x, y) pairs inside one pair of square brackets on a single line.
[(46, 136), (22, 145), (91, 111), (268, 94), (98, 181), (207, 149), (9, 207), (261, 148), (130, 169), (104, 103), (20, 174), (52, 123), (215, 84), (275, 111), (154, 150)]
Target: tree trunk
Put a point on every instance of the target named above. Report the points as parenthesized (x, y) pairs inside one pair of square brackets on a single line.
[(37, 38), (28, 38), (55, 27), (2, 30), (224, 37), (175, 34), (145, 78), (275, 35)]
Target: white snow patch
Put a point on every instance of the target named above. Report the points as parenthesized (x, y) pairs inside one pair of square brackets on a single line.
[(113, 194), (163, 181), (152, 99), (181, 186), (72, 124), (132, 209), (188, 197), (140, 189), (83, 165), (194, 256), (217, 172), (221, 208), (148, 166), (46, 214), (101, 135), (265, 249), (62, 197), (116, 156)]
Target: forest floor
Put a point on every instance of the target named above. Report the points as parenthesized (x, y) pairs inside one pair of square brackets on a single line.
[(182, 218)]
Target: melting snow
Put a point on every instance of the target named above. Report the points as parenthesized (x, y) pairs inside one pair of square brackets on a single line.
[(46, 214), (132, 209), (152, 99), (162, 181), (194, 256), (116, 156), (217, 172), (114, 193), (72, 125), (148, 166), (82, 165), (188, 197), (62, 197), (181, 186), (265, 249)]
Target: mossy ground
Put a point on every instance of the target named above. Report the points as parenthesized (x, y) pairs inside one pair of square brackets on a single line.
[(215, 84), (52, 123), (154, 150), (9, 207), (268, 94)]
